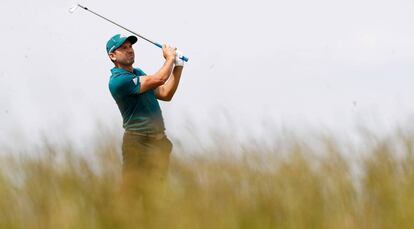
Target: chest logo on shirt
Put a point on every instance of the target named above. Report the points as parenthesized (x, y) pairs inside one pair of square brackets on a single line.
[(135, 80)]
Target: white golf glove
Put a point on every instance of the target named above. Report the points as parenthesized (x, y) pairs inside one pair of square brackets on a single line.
[(178, 60)]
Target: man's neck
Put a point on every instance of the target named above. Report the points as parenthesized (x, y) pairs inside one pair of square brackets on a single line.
[(127, 68)]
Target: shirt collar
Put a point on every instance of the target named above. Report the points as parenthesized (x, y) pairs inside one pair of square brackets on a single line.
[(117, 71)]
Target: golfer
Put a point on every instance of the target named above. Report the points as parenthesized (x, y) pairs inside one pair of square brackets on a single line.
[(145, 148)]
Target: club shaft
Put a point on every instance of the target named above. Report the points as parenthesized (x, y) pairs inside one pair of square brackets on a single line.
[(152, 42)]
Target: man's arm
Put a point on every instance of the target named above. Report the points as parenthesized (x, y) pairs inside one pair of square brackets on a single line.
[(166, 92), (159, 78)]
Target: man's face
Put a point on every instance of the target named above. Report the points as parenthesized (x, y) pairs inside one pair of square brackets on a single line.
[(124, 55)]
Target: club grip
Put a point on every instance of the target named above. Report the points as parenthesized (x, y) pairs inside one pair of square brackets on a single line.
[(184, 58), (158, 45)]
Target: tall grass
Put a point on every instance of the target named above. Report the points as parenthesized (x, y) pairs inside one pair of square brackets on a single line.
[(304, 187)]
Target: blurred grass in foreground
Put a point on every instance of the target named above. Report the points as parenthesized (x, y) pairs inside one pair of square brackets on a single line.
[(301, 188)]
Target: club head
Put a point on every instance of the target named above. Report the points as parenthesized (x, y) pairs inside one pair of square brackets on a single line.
[(73, 9)]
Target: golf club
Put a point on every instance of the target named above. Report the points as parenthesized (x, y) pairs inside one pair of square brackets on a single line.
[(74, 8)]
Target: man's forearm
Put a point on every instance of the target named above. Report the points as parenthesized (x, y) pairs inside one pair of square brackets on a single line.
[(172, 84), (165, 70)]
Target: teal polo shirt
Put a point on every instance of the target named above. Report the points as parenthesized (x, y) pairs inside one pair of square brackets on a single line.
[(140, 112)]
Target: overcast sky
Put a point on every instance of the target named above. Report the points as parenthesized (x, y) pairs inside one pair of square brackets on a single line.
[(287, 63)]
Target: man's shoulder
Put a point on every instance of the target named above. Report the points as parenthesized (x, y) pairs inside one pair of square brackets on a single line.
[(139, 72), (120, 75), (120, 79)]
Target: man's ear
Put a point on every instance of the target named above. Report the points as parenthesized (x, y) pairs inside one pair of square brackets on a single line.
[(112, 56)]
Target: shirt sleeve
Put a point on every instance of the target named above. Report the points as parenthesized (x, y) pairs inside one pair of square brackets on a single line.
[(125, 85)]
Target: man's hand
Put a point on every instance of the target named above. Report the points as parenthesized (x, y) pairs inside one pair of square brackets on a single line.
[(178, 61), (169, 52)]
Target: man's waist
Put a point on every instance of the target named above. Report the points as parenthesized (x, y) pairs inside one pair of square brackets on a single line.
[(156, 136)]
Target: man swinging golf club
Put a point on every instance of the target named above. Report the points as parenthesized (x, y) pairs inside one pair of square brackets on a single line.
[(145, 148)]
